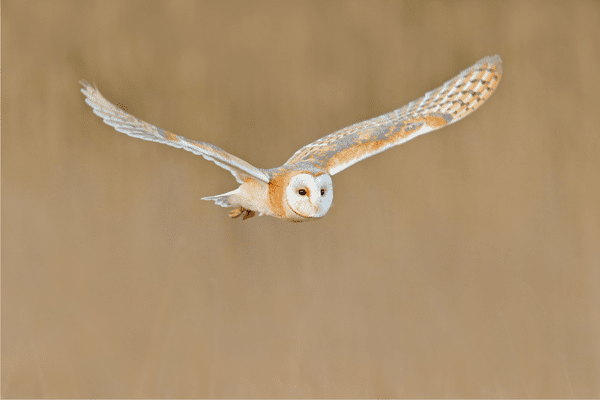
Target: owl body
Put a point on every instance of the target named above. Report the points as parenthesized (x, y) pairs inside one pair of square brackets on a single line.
[(281, 197), (302, 188)]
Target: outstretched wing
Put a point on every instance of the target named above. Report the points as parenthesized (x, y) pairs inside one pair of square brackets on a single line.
[(130, 125), (452, 101)]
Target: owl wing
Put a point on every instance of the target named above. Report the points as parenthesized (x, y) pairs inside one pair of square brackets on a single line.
[(452, 101), (130, 125)]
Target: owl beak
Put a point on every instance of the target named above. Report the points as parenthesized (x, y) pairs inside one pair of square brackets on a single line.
[(315, 204), (315, 208)]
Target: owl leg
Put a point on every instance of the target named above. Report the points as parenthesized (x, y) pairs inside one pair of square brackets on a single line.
[(241, 211), (249, 214), (235, 213)]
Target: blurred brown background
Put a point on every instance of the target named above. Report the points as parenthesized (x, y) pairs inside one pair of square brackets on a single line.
[(463, 263)]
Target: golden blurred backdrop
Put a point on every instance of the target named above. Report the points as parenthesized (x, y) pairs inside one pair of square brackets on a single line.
[(464, 263)]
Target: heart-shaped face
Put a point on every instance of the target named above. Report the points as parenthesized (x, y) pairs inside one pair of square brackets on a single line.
[(310, 196)]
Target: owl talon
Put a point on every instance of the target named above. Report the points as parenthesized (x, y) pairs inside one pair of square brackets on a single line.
[(235, 213), (241, 212)]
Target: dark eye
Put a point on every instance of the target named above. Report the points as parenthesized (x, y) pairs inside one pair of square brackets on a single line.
[(322, 192), (301, 192)]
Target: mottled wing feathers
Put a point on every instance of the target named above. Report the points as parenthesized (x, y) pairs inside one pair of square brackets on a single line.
[(447, 104), (130, 125)]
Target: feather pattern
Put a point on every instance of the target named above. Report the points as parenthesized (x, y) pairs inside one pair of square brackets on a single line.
[(132, 126), (451, 102)]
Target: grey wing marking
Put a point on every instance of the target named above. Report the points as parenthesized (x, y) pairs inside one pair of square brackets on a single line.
[(445, 105), (132, 126)]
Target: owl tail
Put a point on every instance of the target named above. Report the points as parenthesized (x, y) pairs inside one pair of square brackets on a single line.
[(229, 200), (225, 199)]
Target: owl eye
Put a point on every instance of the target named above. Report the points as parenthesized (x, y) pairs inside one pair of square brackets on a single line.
[(322, 192), (302, 192)]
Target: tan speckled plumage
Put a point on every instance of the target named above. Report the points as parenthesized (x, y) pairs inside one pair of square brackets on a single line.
[(266, 192), (445, 105)]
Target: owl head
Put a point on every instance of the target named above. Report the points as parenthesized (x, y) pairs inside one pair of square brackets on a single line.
[(309, 196)]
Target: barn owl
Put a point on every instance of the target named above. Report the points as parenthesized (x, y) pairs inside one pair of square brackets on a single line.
[(301, 189)]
